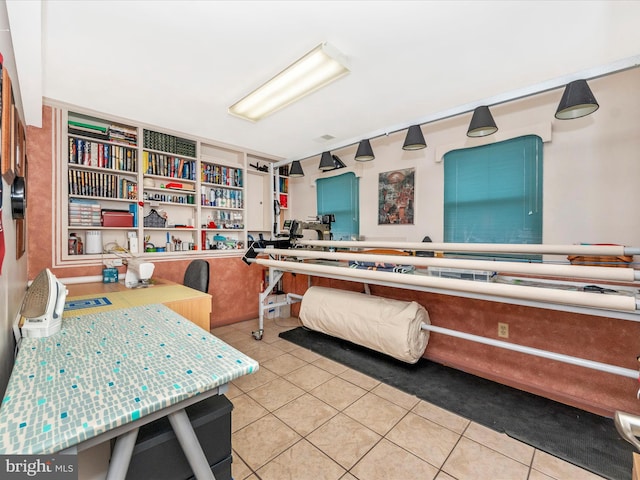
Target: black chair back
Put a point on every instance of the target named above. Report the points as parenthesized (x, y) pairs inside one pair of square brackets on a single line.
[(196, 275)]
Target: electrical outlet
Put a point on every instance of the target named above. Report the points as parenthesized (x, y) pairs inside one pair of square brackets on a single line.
[(503, 330), (116, 262)]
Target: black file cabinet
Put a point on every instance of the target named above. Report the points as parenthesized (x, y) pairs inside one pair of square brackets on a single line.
[(158, 455)]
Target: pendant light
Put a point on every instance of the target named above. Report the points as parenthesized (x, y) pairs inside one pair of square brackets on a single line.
[(577, 101), (296, 169), (326, 162), (414, 139), (482, 123), (365, 152)]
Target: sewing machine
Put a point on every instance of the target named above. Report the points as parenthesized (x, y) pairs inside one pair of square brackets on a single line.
[(138, 273), (322, 226)]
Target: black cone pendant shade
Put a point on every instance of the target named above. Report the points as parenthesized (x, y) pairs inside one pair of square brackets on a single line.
[(414, 139), (365, 152), (577, 101), (482, 123), (296, 169), (326, 162)]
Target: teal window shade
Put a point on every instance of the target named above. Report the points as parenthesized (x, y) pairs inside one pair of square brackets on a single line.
[(493, 193), (339, 196)]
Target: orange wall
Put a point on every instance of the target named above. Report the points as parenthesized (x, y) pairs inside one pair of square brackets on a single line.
[(233, 285), (607, 340)]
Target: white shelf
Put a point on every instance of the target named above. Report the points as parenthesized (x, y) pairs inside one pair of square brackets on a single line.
[(159, 153)]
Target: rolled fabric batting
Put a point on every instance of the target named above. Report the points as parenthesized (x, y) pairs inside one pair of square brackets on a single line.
[(392, 327)]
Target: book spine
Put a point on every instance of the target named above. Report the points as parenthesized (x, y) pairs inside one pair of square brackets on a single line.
[(107, 156), (72, 150), (93, 154)]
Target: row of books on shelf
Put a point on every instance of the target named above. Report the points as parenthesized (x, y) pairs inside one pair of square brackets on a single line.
[(284, 170), (168, 166), (168, 143), (120, 133), (228, 176), (100, 130), (94, 154), (284, 185), (100, 184)]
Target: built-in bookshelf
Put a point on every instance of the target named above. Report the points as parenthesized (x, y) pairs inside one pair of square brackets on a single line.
[(169, 167), (222, 196), (174, 195), (102, 176)]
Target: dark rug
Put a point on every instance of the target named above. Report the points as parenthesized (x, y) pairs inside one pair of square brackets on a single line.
[(587, 440)]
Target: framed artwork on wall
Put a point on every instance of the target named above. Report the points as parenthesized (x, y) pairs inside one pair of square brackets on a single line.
[(6, 109), (18, 144), (396, 197)]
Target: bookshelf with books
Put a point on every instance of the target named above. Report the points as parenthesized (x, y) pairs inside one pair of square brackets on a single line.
[(283, 187), (281, 192), (177, 195), (101, 176), (222, 197), (169, 167)]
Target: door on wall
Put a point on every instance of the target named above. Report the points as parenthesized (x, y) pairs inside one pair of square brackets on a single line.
[(258, 203), (339, 196)]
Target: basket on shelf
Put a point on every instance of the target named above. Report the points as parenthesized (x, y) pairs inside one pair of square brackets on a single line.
[(154, 220)]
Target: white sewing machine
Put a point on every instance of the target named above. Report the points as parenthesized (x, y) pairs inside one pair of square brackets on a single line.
[(138, 273)]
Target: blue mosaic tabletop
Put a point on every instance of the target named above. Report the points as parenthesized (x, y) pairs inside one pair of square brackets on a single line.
[(106, 369)]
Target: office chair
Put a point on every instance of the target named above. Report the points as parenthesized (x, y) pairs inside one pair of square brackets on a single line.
[(196, 275)]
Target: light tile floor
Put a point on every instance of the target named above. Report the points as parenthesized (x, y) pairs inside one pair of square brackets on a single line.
[(305, 417)]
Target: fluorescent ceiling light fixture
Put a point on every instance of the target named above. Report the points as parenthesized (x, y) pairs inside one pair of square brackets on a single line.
[(318, 68)]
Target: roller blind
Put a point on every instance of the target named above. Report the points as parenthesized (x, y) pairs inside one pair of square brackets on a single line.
[(339, 196), (493, 193)]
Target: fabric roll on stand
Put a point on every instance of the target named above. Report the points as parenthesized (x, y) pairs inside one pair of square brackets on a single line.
[(329, 259)]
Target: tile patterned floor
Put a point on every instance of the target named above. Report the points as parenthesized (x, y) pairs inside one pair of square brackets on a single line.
[(305, 417)]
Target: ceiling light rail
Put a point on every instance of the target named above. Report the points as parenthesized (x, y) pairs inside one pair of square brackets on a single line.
[(577, 101)]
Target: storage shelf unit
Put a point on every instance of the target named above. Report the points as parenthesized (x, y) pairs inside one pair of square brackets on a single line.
[(177, 194)]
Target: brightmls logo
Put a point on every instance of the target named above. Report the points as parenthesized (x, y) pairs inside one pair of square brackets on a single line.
[(50, 467)]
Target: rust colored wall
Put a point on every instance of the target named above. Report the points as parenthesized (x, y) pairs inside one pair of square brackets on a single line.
[(607, 340), (233, 285), (39, 195)]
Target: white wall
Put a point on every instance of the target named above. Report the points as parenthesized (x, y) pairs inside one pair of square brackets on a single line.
[(13, 279), (591, 168)]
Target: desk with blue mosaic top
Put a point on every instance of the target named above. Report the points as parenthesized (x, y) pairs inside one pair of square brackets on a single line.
[(105, 374)]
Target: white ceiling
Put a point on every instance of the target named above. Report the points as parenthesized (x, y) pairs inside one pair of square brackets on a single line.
[(180, 64)]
